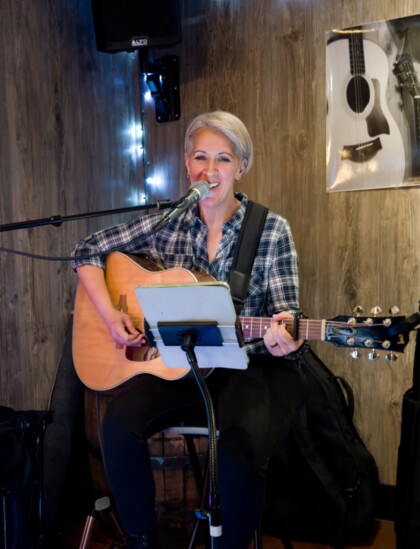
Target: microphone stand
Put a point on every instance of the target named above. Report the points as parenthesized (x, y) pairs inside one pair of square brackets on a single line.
[(59, 219)]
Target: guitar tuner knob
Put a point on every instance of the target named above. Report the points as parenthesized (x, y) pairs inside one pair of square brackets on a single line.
[(386, 344), (394, 311), (354, 354), (391, 357), (358, 310), (387, 322), (350, 341), (373, 355), (376, 311)]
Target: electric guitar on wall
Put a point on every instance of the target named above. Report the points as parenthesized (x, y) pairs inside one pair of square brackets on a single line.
[(407, 77), (102, 364), (364, 144)]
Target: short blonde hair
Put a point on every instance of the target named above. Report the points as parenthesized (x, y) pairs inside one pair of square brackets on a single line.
[(227, 124)]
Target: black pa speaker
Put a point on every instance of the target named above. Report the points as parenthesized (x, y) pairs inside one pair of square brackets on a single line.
[(128, 25)]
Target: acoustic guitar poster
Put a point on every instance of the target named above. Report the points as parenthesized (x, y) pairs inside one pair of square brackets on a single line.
[(373, 105)]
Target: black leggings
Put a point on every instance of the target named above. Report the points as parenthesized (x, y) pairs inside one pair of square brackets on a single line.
[(255, 409)]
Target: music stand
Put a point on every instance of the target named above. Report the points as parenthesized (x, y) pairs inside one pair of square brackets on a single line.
[(195, 326)]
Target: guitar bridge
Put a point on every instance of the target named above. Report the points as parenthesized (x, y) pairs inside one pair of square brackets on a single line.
[(363, 152)]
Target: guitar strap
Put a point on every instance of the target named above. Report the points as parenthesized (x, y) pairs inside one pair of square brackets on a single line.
[(246, 248)]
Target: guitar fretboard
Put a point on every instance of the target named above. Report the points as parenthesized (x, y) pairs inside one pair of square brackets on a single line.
[(256, 327), (357, 55)]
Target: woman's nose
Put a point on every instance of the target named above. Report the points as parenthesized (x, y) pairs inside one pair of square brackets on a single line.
[(210, 167)]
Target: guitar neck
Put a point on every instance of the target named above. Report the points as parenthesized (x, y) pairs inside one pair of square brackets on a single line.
[(255, 327), (342, 331), (357, 54), (417, 121)]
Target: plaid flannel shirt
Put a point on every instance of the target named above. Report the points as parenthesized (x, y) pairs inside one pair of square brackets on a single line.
[(274, 284)]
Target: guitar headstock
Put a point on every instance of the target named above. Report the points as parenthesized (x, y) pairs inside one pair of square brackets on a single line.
[(406, 74), (367, 332)]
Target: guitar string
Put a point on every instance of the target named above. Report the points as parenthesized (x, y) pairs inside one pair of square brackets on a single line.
[(357, 71)]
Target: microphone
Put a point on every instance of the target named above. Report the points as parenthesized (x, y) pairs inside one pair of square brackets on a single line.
[(198, 191)]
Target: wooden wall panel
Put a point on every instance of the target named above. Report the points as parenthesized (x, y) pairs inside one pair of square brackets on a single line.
[(266, 62), (64, 112), (63, 109)]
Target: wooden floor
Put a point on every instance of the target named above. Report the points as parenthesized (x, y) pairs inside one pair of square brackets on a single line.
[(384, 538)]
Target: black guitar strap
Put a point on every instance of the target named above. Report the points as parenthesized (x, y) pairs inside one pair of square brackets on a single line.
[(246, 248)]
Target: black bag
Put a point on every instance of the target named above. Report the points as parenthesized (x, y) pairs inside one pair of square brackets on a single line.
[(20, 476), (323, 482), (407, 519)]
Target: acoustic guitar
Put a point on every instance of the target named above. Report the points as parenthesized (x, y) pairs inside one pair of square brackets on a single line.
[(365, 148), (102, 364)]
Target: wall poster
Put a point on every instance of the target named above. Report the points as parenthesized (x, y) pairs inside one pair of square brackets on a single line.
[(373, 105)]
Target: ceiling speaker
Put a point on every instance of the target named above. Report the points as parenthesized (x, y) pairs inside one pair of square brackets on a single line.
[(128, 25)]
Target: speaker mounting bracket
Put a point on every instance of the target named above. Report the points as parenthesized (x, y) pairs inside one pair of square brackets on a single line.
[(162, 79)]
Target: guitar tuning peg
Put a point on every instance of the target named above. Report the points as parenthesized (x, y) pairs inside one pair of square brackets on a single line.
[(358, 310), (391, 357), (394, 311), (373, 355), (376, 311), (354, 354)]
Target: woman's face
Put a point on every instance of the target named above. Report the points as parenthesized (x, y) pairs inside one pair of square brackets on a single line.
[(214, 160)]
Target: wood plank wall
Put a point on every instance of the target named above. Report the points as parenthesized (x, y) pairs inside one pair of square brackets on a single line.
[(64, 109)]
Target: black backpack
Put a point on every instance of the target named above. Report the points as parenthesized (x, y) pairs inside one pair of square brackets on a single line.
[(323, 483), (21, 435)]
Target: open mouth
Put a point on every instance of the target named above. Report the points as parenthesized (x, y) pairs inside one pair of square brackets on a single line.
[(213, 185)]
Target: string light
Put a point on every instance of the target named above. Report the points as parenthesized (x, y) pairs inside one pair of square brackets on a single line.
[(156, 180), (135, 132), (137, 197), (148, 96)]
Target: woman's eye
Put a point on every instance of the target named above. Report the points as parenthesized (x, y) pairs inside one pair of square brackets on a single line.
[(199, 157), (224, 159)]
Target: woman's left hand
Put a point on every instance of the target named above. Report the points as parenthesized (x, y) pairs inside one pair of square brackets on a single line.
[(278, 340)]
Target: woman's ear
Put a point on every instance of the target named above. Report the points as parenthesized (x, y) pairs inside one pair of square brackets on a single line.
[(186, 160), (242, 169)]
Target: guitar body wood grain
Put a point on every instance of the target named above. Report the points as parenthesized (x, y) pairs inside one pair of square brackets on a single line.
[(100, 363)]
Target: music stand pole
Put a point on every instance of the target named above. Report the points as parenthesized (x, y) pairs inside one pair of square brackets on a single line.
[(214, 511), (179, 329)]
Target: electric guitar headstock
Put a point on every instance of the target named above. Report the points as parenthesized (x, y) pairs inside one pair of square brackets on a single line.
[(372, 333), (406, 74)]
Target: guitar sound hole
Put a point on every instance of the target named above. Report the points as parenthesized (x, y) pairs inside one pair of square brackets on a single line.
[(141, 354), (358, 94)]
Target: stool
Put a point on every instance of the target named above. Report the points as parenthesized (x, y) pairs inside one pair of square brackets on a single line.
[(101, 504), (200, 476)]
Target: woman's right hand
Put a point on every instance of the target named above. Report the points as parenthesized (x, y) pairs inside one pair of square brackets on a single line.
[(122, 329), (119, 324)]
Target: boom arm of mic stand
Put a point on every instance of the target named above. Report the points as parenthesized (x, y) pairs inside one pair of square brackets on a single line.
[(58, 219)]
